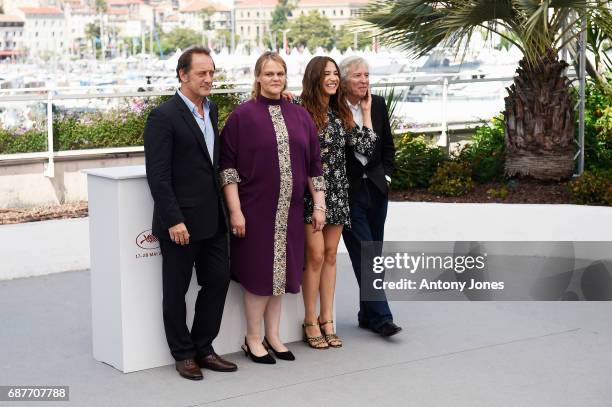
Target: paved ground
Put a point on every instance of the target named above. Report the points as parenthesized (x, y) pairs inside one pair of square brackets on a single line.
[(449, 354)]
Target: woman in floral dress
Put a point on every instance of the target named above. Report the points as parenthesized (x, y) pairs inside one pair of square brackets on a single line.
[(323, 99)]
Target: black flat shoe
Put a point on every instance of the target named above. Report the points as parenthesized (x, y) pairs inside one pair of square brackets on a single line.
[(287, 355), (266, 360)]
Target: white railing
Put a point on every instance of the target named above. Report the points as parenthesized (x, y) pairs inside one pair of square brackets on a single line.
[(52, 95)]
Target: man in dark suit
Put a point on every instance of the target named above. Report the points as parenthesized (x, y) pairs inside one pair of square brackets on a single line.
[(182, 156), (369, 180)]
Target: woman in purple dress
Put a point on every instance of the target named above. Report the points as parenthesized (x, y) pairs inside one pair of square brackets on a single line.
[(269, 157)]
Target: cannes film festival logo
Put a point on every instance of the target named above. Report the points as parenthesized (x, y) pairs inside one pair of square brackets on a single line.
[(146, 240)]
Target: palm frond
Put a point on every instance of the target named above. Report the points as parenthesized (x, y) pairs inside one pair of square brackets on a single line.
[(537, 27), (412, 25), (475, 13)]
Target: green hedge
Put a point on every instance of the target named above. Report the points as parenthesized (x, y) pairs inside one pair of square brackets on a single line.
[(598, 127), (485, 154), (30, 141), (422, 166), (119, 127), (416, 162), (592, 188), (452, 178), (116, 128)]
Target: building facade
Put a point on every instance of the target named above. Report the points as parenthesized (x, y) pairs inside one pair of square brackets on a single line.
[(134, 9), (45, 31), (11, 7), (11, 36), (77, 20), (193, 15), (254, 17)]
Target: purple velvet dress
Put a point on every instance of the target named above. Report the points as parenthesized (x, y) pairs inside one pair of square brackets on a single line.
[(270, 149)]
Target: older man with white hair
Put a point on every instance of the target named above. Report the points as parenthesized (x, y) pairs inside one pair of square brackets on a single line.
[(369, 180)]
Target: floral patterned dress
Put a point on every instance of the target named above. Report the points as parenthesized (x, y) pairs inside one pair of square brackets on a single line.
[(333, 140)]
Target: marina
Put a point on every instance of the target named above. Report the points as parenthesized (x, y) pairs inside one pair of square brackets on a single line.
[(426, 88)]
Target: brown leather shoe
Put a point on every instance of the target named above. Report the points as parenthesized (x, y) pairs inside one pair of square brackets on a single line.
[(188, 369), (216, 363)]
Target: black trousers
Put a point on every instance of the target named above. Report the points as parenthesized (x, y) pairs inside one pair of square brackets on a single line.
[(368, 215), (210, 257)]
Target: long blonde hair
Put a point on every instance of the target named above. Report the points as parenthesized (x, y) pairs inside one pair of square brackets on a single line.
[(261, 61)]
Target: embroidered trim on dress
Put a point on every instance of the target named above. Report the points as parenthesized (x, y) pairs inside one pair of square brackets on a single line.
[(229, 176), (279, 270), (318, 183)]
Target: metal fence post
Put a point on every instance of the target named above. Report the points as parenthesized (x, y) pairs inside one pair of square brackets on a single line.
[(50, 167), (581, 107), (443, 140)]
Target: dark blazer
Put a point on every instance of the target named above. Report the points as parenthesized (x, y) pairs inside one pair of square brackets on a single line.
[(182, 178), (381, 161)]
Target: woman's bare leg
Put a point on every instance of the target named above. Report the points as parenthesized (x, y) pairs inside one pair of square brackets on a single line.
[(255, 306), (312, 275)]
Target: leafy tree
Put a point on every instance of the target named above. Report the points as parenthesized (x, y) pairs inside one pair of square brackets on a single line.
[(224, 39), (280, 15), (101, 6), (280, 21), (207, 25), (92, 30), (345, 38), (206, 14), (312, 31), (179, 38), (598, 127)]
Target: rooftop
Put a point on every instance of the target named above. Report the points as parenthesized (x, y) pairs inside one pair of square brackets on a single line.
[(255, 3), (117, 11), (301, 3), (199, 5), (83, 11), (4, 18), (124, 2), (41, 10), (172, 18)]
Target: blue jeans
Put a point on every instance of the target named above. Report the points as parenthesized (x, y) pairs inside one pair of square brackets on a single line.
[(368, 215)]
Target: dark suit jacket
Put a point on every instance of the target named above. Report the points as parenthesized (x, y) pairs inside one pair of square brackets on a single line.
[(182, 178), (381, 161)]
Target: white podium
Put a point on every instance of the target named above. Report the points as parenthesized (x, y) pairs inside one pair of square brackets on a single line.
[(126, 283)]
